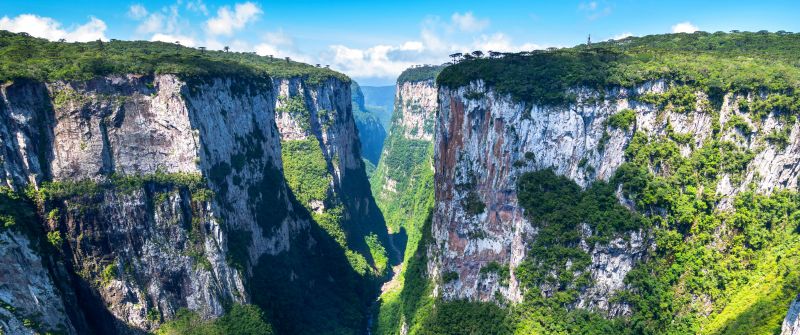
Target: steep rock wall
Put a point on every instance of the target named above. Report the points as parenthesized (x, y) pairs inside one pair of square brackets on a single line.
[(405, 157), (168, 193), (485, 141), (791, 324)]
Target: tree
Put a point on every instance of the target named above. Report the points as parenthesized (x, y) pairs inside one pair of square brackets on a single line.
[(477, 53), (456, 56), (226, 48), (494, 54), (202, 49)]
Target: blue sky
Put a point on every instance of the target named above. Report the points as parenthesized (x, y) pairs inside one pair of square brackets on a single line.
[(372, 41)]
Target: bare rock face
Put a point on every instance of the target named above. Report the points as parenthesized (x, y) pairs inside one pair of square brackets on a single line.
[(791, 324), (406, 151), (31, 301), (140, 241), (484, 141), (417, 106)]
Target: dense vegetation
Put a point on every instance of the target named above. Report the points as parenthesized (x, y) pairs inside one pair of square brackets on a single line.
[(712, 63), (306, 170), (420, 73), (22, 56), (558, 207), (240, 319)]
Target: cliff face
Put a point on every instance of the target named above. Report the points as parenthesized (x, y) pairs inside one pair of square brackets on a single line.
[(403, 187), (170, 194), (485, 141), (406, 155), (370, 130)]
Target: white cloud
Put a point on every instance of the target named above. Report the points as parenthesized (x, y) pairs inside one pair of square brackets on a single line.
[(183, 40), (227, 21), (501, 43), (280, 44), (436, 42), (684, 27), (594, 10), (137, 12), (622, 36), (375, 61), (278, 37), (197, 6), (468, 23), (165, 21), (592, 5), (51, 29)]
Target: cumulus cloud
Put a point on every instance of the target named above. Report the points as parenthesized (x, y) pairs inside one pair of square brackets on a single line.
[(437, 40), (622, 36), (183, 40), (684, 27), (468, 22), (227, 21), (280, 44), (51, 29), (137, 12), (499, 42), (165, 21)]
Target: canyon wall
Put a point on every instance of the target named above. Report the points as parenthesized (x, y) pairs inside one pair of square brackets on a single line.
[(159, 193), (486, 140)]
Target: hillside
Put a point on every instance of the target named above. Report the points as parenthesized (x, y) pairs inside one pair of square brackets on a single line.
[(641, 186), (151, 187)]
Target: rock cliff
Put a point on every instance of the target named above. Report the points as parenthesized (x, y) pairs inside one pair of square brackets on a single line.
[(405, 160), (488, 142), (575, 183), (161, 193)]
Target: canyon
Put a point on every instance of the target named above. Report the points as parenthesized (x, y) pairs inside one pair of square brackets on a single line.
[(640, 186)]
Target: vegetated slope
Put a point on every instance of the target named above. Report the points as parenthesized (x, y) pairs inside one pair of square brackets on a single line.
[(380, 100), (370, 131), (403, 183), (641, 186), (147, 186)]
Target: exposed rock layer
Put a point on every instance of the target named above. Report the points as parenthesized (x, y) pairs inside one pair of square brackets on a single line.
[(485, 141), (144, 251)]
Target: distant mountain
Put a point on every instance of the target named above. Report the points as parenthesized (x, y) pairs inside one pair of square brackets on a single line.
[(380, 101), (370, 130)]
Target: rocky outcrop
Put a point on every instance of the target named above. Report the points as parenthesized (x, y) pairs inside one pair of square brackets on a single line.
[(485, 141), (169, 192), (791, 324)]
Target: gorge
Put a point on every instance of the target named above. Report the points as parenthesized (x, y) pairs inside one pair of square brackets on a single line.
[(647, 185)]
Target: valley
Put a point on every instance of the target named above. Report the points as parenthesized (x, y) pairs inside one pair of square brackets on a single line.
[(645, 185)]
